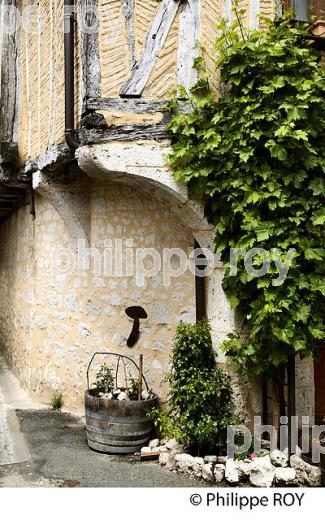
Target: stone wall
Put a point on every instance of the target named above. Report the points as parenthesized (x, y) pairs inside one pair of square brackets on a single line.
[(16, 292), (52, 321)]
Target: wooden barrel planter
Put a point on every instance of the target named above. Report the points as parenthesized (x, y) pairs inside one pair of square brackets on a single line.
[(117, 427)]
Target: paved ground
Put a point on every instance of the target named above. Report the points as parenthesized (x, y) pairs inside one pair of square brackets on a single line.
[(42, 448), (13, 448), (60, 457)]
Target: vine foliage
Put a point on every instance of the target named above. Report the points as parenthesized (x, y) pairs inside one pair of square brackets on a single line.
[(256, 155)]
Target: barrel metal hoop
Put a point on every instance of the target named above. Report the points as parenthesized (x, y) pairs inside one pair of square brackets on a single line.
[(113, 419)]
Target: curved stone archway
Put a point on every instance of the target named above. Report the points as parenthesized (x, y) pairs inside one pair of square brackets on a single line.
[(107, 178), (143, 166)]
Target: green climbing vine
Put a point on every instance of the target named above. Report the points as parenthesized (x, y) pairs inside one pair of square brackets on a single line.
[(255, 153)]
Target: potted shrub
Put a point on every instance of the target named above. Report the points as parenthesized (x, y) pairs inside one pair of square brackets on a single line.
[(117, 416), (200, 405)]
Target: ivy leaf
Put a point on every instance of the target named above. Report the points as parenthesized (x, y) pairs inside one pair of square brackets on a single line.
[(314, 253), (262, 235), (254, 153), (234, 301), (319, 218), (253, 197)]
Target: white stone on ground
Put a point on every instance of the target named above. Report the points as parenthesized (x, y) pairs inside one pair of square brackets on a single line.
[(123, 396), (279, 459), (307, 474), (219, 473), (285, 476), (171, 444), (211, 458), (145, 450), (207, 472), (222, 459), (197, 466), (243, 469), (262, 472), (184, 462), (154, 443), (163, 458), (231, 472), (168, 459)]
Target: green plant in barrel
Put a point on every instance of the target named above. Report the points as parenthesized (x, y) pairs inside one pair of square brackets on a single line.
[(104, 379)]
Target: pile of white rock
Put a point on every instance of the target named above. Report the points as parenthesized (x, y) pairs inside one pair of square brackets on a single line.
[(123, 395), (266, 470), (164, 448)]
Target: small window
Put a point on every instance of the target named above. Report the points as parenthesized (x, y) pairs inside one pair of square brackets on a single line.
[(305, 10)]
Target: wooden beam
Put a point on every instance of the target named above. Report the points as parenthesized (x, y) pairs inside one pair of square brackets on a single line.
[(291, 373), (89, 52), (254, 12), (137, 106), (156, 132), (128, 12), (189, 34), (8, 197), (155, 40), (226, 8), (132, 105), (8, 151), (9, 71)]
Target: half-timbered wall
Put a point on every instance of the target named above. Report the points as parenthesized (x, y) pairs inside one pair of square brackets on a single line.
[(42, 71), (143, 48)]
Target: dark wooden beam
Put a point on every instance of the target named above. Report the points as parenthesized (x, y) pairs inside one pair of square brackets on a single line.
[(200, 290), (137, 106), (157, 132), (132, 105), (291, 373), (6, 204), (9, 73)]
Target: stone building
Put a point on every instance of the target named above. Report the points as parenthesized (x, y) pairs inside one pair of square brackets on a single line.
[(106, 186)]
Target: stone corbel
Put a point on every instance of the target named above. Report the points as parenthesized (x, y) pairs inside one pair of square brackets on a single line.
[(71, 201)]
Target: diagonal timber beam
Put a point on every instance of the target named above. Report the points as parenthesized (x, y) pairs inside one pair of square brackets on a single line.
[(155, 40)]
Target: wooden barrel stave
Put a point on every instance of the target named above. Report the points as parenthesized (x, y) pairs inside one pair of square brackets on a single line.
[(117, 426)]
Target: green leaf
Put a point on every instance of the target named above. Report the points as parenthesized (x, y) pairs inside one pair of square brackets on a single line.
[(253, 154), (234, 301), (319, 218)]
